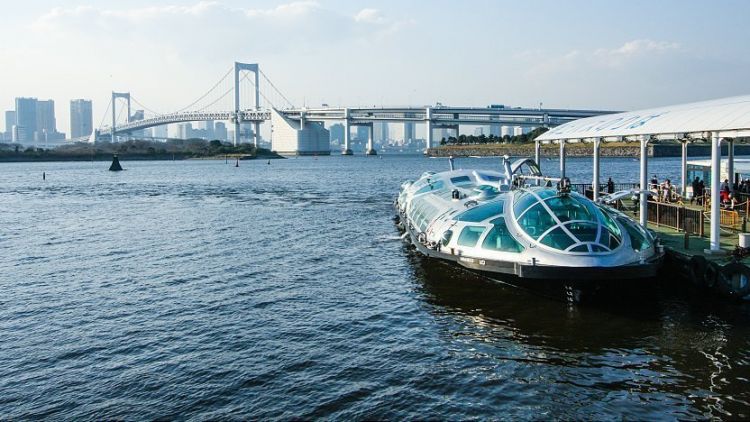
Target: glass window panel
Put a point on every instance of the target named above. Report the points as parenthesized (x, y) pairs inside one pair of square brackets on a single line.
[(461, 180), (446, 238), (536, 221), (522, 201), (567, 208), (557, 239), (638, 239), (470, 236), (580, 248), (499, 239), (481, 212), (585, 232)]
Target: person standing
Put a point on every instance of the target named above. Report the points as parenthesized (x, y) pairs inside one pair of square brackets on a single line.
[(610, 186), (695, 184)]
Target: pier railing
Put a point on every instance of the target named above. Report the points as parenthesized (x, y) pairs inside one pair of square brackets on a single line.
[(677, 217), (586, 188)]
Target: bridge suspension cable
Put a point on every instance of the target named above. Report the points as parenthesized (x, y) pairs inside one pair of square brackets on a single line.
[(207, 92), (276, 89), (156, 113), (101, 124)]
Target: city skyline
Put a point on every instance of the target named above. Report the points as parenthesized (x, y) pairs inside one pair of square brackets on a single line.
[(619, 56)]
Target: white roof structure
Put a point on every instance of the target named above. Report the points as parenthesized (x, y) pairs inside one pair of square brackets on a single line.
[(730, 117)]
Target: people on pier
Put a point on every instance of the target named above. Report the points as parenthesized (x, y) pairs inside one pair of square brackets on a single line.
[(695, 185), (666, 191), (610, 186), (654, 185)]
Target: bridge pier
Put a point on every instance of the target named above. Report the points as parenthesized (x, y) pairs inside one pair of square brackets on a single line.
[(428, 127), (347, 134), (370, 146)]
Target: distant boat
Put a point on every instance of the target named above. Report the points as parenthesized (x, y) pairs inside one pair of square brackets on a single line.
[(115, 166)]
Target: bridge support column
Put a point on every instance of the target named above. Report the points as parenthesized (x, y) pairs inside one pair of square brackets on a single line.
[(428, 128), (347, 134), (370, 136), (595, 182), (256, 134), (715, 244), (643, 211)]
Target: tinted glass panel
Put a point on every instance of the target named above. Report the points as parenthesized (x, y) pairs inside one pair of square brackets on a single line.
[(431, 187), (585, 232), (461, 180), (470, 236), (637, 239), (499, 239), (557, 239), (536, 221), (567, 208), (481, 212)]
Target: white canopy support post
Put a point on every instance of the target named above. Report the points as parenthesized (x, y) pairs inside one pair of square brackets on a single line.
[(562, 158), (730, 164), (595, 182), (538, 157), (644, 182), (683, 169), (715, 183)]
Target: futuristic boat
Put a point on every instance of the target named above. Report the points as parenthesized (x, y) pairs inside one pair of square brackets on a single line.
[(503, 223)]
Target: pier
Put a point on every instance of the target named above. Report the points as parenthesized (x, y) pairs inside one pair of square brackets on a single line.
[(702, 241)]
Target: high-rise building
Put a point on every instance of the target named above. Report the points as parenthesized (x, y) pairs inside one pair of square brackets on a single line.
[(136, 116), (10, 121), (220, 131), (159, 132), (409, 132), (337, 133), (46, 125), (25, 120), (185, 131), (362, 133), (81, 118), (380, 132), (209, 127)]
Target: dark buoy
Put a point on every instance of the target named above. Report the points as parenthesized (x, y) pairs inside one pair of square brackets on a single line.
[(237, 164), (269, 162), (115, 164), (44, 176)]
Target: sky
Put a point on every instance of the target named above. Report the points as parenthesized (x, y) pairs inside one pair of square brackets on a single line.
[(617, 55)]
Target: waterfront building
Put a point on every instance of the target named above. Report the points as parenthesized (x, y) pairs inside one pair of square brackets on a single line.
[(220, 131), (380, 132), (10, 121), (185, 130), (160, 132), (25, 120), (208, 126), (81, 118), (362, 132), (46, 123), (337, 133), (409, 132)]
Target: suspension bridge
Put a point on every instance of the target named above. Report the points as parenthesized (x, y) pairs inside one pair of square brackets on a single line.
[(236, 98)]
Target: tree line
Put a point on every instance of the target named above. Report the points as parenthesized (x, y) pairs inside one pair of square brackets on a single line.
[(493, 139)]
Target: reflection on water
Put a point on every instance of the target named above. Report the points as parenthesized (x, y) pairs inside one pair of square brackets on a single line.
[(197, 290), (663, 355)]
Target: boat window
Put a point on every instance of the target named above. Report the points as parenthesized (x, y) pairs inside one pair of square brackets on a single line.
[(470, 235), (638, 239), (446, 238), (536, 221), (500, 239), (461, 180), (598, 248), (557, 239), (566, 208), (580, 248), (522, 202), (584, 232), (481, 212), (431, 187)]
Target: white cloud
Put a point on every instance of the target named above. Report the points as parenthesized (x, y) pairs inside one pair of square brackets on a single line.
[(369, 16)]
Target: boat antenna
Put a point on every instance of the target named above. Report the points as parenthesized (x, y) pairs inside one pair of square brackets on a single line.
[(450, 162)]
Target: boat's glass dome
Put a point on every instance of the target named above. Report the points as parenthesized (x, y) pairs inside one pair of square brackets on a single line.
[(566, 222)]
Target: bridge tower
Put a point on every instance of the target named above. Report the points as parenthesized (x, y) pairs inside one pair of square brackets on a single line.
[(428, 127), (250, 67), (347, 134), (115, 96)]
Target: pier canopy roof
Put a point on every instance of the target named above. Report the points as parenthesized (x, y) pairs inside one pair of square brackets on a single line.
[(730, 117)]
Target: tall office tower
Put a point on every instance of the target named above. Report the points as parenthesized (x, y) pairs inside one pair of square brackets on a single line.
[(46, 125), (409, 132), (10, 121), (160, 132), (209, 127), (81, 118), (362, 133), (136, 116), (25, 120), (380, 132), (185, 131), (495, 130), (220, 131), (337, 133), (479, 131)]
